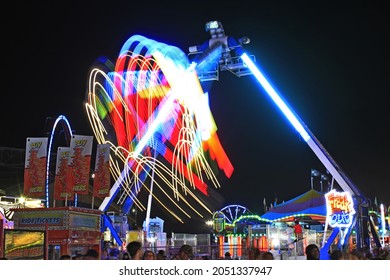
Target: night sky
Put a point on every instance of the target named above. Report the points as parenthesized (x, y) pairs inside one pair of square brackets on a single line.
[(329, 61)]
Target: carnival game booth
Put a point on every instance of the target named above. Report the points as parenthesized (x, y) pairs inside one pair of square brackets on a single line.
[(69, 230)]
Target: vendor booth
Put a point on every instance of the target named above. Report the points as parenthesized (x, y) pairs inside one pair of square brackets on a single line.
[(69, 230)]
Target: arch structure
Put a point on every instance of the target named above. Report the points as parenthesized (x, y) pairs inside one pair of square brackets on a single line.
[(60, 122)]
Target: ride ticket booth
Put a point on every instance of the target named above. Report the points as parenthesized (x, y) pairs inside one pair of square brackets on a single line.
[(70, 230)]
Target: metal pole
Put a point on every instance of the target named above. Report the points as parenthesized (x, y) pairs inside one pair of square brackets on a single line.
[(147, 220)]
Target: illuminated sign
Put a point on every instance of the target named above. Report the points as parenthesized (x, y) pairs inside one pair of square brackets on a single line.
[(339, 209), (37, 219), (24, 244), (218, 222)]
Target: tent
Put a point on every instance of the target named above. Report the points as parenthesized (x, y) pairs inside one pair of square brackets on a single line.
[(309, 207)]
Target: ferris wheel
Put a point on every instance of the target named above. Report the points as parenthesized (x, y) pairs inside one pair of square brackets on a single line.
[(233, 212)]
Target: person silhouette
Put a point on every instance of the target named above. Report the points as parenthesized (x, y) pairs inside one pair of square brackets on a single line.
[(312, 252)]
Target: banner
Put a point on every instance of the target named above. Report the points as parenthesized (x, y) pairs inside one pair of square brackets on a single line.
[(60, 184), (35, 167), (79, 163), (101, 180)]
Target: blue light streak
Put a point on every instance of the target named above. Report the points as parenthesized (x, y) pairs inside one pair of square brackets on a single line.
[(276, 97)]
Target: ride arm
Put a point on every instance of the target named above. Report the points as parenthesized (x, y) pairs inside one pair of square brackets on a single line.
[(330, 164), (360, 201)]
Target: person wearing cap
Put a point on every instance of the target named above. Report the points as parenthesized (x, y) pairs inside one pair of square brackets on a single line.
[(185, 253)]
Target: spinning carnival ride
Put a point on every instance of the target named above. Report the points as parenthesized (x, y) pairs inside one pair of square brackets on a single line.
[(150, 108), (226, 53)]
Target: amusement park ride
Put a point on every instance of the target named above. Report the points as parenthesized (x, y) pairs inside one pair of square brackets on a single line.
[(223, 53), (131, 168)]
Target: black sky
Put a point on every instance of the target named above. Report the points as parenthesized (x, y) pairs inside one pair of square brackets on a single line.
[(330, 61)]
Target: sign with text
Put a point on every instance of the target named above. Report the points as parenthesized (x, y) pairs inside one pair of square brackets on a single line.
[(79, 163), (35, 167), (101, 181), (339, 209), (61, 191), (39, 219)]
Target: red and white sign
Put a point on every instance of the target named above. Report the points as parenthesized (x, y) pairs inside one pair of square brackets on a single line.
[(79, 163), (60, 183), (35, 167), (101, 180)]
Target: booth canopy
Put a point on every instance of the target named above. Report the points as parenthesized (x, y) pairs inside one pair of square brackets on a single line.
[(310, 207)]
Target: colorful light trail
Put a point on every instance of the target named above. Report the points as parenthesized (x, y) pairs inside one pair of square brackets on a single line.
[(151, 101)]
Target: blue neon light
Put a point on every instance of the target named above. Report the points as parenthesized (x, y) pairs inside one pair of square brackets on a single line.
[(58, 120), (275, 97)]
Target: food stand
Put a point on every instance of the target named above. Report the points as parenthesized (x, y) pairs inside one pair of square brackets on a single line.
[(70, 230)]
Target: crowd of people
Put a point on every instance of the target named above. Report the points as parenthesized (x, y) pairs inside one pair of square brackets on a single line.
[(136, 251), (374, 254)]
